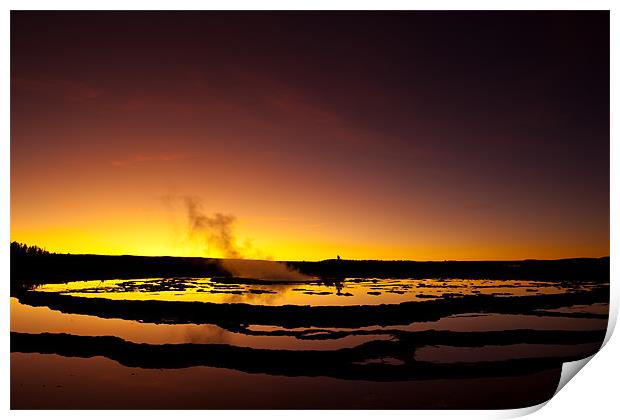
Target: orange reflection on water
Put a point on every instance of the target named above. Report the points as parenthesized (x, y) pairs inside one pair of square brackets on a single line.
[(347, 292), (35, 320)]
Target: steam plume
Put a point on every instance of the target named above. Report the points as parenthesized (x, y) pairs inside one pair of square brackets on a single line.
[(218, 233), (217, 229)]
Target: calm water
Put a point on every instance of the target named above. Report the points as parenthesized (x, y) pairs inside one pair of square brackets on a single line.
[(352, 291), (74, 355)]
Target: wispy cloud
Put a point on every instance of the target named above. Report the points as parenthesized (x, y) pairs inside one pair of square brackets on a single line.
[(149, 158), (75, 91)]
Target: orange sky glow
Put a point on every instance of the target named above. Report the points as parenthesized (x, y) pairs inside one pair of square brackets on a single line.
[(348, 147)]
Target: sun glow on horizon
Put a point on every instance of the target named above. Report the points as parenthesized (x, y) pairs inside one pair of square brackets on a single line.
[(154, 240), (397, 147)]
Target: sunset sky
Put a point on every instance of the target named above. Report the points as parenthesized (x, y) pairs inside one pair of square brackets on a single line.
[(425, 135)]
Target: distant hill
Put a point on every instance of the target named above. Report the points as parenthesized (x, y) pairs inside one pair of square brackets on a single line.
[(34, 265)]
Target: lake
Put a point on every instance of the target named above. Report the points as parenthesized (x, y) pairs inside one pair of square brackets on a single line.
[(185, 342)]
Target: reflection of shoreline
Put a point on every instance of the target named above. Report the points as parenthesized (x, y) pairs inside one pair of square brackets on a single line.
[(345, 292), (316, 316), (342, 363), (99, 383), (459, 337), (30, 319)]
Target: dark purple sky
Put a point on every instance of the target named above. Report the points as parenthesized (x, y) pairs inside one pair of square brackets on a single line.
[(421, 135)]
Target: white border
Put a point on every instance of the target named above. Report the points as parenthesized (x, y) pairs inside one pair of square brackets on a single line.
[(592, 394)]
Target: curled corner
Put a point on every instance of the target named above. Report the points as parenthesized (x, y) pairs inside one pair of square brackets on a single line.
[(569, 370), (612, 318), (521, 412)]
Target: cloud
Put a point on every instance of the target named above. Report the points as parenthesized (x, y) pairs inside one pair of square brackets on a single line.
[(74, 91), (148, 158)]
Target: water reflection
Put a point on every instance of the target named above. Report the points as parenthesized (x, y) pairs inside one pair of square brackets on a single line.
[(350, 291), (35, 320), (450, 354), (43, 381), (392, 336)]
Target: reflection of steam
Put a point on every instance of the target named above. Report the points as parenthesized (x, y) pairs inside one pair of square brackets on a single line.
[(276, 291), (206, 333), (217, 231)]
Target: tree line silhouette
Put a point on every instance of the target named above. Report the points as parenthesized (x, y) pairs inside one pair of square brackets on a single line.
[(19, 249), (34, 265)]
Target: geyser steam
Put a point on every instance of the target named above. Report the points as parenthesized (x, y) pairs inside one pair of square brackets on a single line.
[(217, 229), (218, 232)]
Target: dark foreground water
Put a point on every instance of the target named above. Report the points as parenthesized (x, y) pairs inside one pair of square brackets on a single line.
[(357, 343)]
